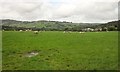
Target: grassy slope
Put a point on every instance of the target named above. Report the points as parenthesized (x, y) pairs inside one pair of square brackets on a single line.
[(65, 51)]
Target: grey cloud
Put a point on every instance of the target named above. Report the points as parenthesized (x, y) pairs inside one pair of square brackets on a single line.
[(74, 10), (104, 11)]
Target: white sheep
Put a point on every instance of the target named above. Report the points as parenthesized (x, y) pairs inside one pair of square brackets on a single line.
[(64, 32), (20, 30), (81, 32), (30, 30), (26, 30), (35, 32)]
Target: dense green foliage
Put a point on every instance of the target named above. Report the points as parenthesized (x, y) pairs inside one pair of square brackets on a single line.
[(60, 51), (55, 25), (44, 25)]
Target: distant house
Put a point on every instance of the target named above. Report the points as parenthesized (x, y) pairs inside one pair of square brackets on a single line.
[(88, 30), (98, 29)]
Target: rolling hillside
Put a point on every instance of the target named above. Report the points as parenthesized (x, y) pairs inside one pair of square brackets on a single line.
[(54, 25)]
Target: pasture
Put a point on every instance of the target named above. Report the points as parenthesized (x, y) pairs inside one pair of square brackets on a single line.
[(60, 51)]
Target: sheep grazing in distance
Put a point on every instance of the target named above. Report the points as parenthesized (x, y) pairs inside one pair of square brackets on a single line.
[(64, 32), (26, 30), (67, 32), (35, 32), (81, 32), (20, 30)]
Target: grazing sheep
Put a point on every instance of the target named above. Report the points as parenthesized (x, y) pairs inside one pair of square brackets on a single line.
[(20, 30), (81, 32), (67, 32), (91, 30), (26, 30), (100, 29), (64, 32), (35, 32)]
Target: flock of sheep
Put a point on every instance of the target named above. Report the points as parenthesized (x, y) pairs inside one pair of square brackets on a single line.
[(73, 32), (36, 32)]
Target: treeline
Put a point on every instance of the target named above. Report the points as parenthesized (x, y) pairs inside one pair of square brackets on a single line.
[(12, 25), (10, 28)]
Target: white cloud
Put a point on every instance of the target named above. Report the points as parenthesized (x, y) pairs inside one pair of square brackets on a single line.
[(69, 10)]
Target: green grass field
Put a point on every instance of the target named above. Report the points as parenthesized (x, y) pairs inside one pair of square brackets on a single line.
[(60, 51)]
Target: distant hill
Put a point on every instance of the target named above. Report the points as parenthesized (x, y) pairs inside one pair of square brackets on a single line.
[(112, 23), (54, 25)]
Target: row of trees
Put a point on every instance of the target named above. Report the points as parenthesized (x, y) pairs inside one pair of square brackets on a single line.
[(10, 28)]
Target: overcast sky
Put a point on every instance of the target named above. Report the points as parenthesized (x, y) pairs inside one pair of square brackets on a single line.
[(60, 10)]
